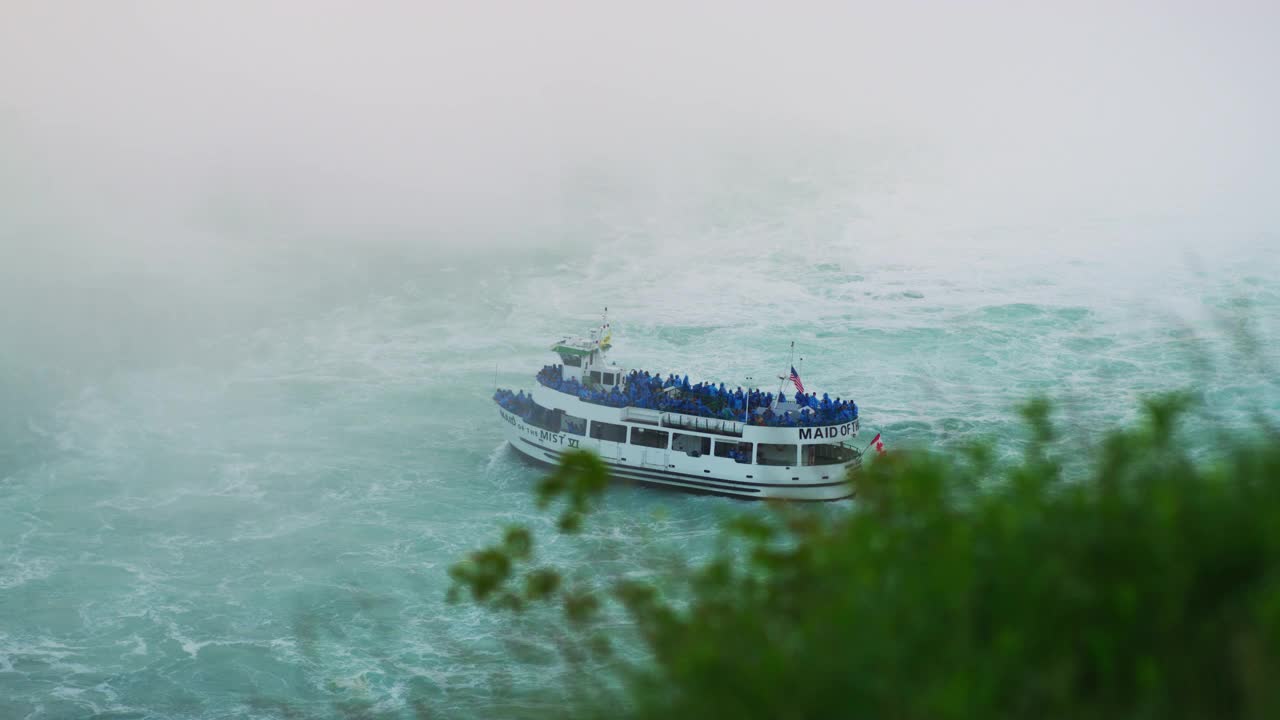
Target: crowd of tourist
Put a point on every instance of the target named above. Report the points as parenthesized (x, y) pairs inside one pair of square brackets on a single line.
[(515, 402), (675, 394)]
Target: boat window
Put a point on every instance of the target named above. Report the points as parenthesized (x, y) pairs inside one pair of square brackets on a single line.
[(739, 451), (692, 445), (543, 418), (649, 438), (608, 378), (771, 454), (595, 376), (824, 454), (572, 360), (608, 431), (573, 425)]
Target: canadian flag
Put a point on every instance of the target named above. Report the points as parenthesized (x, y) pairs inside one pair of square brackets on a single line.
[(878, 444)]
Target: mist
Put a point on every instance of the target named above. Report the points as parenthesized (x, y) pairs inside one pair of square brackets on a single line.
[(168, 165), (265, 265), (416, 116)]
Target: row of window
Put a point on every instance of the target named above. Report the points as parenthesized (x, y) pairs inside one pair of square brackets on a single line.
[(692, 445), (597, 377), (697, 446)]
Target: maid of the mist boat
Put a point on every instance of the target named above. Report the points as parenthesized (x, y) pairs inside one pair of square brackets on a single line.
[(703, 437)]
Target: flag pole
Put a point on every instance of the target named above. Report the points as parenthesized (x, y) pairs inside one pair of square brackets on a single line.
[(783, 378)]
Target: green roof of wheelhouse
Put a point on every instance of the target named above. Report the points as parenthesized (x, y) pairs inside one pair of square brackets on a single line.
[(564, 349)]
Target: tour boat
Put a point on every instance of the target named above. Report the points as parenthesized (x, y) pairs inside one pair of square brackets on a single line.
[(664, 431)]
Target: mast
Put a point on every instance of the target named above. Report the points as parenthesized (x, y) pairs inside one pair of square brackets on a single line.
[(605, 336)]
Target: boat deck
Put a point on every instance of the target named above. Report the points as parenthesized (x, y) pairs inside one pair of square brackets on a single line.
[(642, 391)]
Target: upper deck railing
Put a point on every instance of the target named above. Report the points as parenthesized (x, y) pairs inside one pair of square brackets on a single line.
[(675, 395)]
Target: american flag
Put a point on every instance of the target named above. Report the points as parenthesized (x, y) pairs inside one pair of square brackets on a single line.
[(795, 378)]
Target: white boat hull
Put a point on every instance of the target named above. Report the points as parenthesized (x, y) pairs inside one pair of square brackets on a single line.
[(679, 470)]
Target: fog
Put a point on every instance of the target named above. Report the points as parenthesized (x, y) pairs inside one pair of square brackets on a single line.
[(263, 264), (165, 151), (427, 115)]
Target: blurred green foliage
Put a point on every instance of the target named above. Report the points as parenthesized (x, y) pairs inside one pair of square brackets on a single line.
[(1146, 587)]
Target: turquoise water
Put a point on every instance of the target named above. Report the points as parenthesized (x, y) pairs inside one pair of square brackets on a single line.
[(233, 490)]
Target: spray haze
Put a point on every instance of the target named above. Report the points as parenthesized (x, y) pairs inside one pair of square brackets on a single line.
[(431, 115), (176, 168), (172, 164), (262, 263)]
